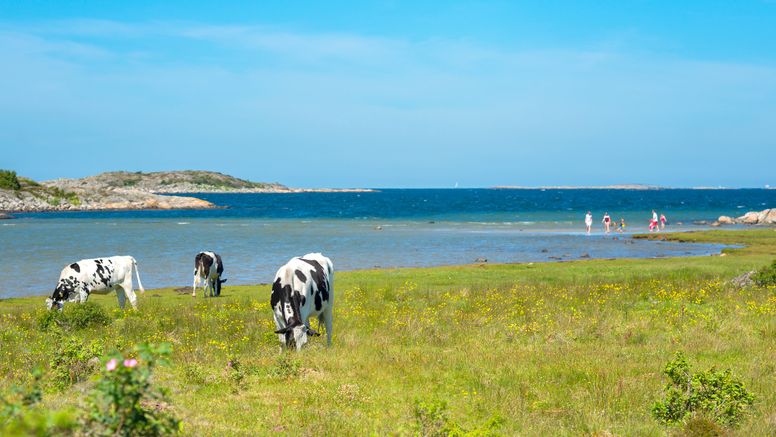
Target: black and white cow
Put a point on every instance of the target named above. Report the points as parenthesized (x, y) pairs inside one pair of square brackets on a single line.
[(205, 271), (99, 276), (303, 289)]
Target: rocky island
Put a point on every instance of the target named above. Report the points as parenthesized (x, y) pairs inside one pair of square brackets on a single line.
[(123, 190)]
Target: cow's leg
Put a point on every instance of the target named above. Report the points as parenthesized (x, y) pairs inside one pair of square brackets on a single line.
[(132, 297), (279, 326), (121, 296), (194, 287), (218, 286), (127, 286), (327, 320)]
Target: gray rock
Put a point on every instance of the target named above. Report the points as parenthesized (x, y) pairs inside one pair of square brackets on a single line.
[(481, 260), (585, 255), (764, 217), (743, 280)]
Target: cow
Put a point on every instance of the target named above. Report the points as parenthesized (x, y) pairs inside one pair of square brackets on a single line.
[(303, 289), (99, 276), (205, 271)]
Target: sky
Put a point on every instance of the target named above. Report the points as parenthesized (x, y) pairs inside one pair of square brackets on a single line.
[(393, 93)]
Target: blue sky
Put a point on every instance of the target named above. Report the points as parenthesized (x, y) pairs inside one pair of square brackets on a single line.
[(393, 94)]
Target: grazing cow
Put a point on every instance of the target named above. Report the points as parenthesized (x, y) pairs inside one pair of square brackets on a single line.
[(209, 274), (99, 276), (303, 289)]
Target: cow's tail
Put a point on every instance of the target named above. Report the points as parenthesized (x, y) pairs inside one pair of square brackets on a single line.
[(137, 275)]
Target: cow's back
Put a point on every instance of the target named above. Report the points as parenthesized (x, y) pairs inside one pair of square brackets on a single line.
[(101, 274)]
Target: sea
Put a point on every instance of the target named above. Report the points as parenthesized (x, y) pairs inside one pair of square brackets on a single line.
[(256, 233)]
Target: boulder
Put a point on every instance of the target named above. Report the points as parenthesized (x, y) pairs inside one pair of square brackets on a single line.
[(764, 217), (743, 280), (770, 216), (750, 218), (481, 260)]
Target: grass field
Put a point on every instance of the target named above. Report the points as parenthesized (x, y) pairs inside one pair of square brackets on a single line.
[(569, 348)]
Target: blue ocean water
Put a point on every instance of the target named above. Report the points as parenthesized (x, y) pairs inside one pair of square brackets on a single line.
[(256, 233)]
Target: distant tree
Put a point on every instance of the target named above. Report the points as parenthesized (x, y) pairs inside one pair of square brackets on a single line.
[(8, 180)]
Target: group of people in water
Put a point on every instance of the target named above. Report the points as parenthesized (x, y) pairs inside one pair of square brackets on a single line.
[(655, 224)]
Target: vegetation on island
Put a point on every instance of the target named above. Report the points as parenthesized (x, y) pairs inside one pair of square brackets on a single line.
[(8, 180), (24, 186), (594, 347)]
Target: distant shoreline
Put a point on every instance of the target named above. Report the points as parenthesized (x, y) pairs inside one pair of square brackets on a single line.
[(621, 187)]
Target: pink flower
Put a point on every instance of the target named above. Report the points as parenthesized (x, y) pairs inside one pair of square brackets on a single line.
[(130, 363), (111, 365)]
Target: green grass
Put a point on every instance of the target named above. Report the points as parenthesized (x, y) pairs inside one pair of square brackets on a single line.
[(568, 348)]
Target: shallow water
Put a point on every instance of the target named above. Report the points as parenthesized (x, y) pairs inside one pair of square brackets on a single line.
[(259, 232)]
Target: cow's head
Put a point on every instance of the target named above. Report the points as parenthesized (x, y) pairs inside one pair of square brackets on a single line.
[(296, 333), (52, 303), (63, 293)]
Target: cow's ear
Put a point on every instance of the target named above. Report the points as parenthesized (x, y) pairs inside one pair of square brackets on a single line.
[(284, 330), (313, 332)]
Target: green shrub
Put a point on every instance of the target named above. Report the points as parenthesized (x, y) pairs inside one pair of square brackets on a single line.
[(74, 361), (715, 394), (285, 367), (20, 414), (235, 375), (195, 374), (766, 276), (86, 315), (56, 195), (76, 316), (9, 181), (49, 319), (125, 402), (433, 419)]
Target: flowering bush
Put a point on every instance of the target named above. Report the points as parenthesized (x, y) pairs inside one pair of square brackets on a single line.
[(713, 393), (125, 402)]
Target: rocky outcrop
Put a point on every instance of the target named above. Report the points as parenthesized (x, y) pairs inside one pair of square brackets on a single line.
[(93, 198), (187, 181), (127, 190), (764, 217), (94, 194)]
